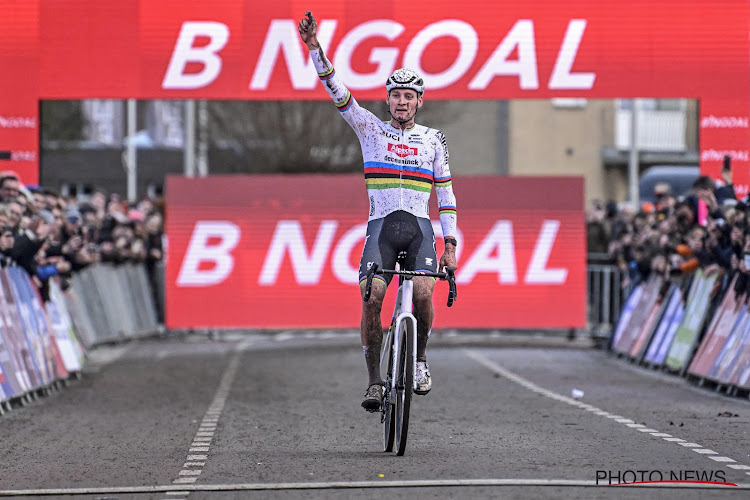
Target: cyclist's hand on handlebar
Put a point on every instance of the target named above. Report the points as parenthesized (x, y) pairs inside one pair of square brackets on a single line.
[(448, 259)]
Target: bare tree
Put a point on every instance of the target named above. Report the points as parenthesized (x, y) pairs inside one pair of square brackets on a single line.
[(296, 136)]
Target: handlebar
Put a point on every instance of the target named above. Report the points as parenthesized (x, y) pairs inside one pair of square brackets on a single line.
[(449, 275)]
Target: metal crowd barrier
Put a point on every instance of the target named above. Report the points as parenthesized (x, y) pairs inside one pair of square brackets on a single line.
[(604, 295), (43, 343), (110, 303)]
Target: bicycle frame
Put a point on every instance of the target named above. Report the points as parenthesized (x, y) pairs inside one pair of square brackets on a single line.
[(403, 313)]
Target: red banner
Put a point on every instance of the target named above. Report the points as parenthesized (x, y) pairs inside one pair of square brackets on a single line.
[(227, 49), (284, 251)]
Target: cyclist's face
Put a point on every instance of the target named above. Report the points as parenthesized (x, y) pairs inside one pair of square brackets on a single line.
[(403, 103)]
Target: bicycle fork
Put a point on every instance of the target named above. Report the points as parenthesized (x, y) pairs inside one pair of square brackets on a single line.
[(404, 306)]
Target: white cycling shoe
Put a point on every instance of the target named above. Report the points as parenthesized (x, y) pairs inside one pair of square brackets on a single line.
[(424, 381)]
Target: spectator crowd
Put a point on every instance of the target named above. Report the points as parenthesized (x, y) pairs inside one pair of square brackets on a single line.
[(48, 234), (706, 228)]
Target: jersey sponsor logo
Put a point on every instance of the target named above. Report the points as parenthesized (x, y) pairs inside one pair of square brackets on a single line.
[(402, 150), (392, 136), (401, 162), (441, 138)]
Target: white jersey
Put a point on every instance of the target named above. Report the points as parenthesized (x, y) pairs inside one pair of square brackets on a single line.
[(400, 165)]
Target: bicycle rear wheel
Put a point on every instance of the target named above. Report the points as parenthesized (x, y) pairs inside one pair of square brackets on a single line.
[(404, 385)]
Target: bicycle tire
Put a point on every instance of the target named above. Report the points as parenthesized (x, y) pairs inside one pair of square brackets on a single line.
[(404, 386), (389, 413)]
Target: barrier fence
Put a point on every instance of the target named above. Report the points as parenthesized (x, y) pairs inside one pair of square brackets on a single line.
[(42, 343), (697, 327)]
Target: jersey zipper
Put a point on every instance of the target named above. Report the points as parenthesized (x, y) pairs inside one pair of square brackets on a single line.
[(401, 177)]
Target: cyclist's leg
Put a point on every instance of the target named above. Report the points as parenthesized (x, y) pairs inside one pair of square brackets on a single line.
[(425, 260), (424, 312), (371, 328)]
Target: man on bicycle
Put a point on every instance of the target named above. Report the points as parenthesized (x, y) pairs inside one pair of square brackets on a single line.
[(402, 160)]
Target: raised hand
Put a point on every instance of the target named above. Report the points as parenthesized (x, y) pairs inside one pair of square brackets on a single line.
[(308, 30)]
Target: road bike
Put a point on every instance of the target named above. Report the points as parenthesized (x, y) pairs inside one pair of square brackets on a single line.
[(398, 356)]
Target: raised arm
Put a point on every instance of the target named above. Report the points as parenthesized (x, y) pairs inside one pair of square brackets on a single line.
[(354, 115)]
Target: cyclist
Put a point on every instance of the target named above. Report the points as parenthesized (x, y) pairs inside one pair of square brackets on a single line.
[(402, 160)]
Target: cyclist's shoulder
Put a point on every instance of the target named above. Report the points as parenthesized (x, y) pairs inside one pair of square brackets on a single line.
[(435, 135), (428, 131)]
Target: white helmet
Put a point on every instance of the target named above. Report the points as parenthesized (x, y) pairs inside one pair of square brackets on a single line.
[(405, 78)]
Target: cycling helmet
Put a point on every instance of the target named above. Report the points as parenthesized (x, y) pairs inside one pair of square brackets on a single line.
[(405, 78)]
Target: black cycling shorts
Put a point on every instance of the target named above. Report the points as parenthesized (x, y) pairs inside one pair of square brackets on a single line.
[(396, 232)]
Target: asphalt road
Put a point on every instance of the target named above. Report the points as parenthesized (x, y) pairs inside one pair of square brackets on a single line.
[(278, 416)]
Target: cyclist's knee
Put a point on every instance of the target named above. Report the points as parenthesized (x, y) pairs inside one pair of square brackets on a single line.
[(423, 291), (377, 293)]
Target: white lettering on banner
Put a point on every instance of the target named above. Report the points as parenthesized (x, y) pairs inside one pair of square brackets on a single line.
[(17, 122), (521, 36), (23, 155), (384, 58), (499, 238), (288, 237), (712, 121), (461, 31), (714, 155), (495, 254), (561, 77), (536, 273), (184, 52), (283, 37), (218, 254), (340, 262)]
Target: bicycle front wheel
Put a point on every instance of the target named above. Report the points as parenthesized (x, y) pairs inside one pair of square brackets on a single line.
[(404, 384), (389, 410)]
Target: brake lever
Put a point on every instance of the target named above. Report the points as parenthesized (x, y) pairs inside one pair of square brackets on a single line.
[(452, 292), (370, 275)]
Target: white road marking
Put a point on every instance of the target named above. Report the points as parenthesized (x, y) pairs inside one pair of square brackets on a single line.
[(499, 370), (184, 480), (739, 466), (427, 483), (202, 439)]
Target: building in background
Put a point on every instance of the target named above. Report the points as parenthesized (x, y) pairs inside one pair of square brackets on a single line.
[(583, 137)]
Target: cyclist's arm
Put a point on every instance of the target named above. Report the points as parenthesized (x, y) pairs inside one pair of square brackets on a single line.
[(444, 188), (358, 118), (355, 115)]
